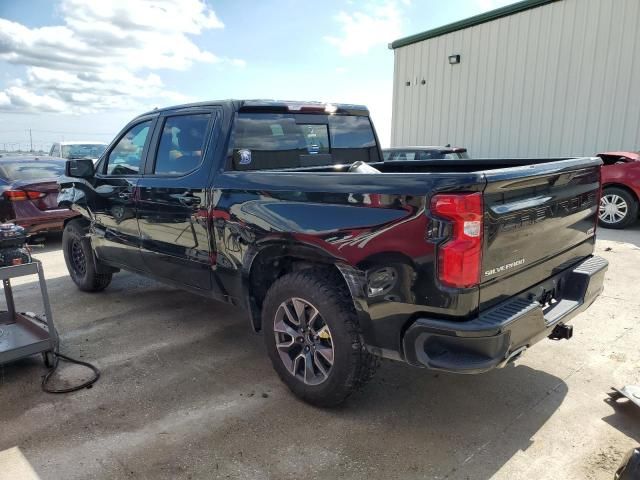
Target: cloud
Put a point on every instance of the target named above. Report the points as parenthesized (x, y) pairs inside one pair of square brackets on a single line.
[(105, 54), (376, 25)]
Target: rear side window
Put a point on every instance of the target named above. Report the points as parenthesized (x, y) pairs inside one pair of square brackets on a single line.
[(265, 141), (181, 144)]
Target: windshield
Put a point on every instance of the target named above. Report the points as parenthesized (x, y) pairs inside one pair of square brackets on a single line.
[(409, 155), (457, 155), (83, 150), (34, 170), (273, 140)]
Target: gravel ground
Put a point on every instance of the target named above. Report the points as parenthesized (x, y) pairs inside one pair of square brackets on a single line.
[(188, 392)]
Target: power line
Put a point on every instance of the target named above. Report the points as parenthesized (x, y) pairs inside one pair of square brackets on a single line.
[(56, 132)]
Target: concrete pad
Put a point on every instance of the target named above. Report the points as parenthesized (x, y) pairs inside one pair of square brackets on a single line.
[(188, 392)]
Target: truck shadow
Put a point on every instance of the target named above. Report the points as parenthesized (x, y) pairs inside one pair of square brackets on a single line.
[(465, 426), (153, 342)]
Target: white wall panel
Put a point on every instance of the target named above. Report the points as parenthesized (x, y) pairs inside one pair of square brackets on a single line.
[(557, 80)]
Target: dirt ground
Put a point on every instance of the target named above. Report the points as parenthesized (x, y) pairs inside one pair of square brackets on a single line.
[(188, 392)]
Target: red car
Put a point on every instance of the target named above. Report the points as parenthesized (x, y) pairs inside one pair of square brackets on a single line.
[(29, 193), (620, 189)]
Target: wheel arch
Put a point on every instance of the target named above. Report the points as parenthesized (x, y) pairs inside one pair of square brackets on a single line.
[(275, 260), (77, 218), (84, 223), (624, 187)]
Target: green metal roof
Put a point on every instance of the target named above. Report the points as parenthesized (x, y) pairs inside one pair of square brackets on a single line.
[(471, 22)]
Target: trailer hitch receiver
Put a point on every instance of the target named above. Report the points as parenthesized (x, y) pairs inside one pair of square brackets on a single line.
[(562, 332)]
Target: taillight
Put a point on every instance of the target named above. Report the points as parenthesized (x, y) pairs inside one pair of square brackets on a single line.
[(19, 195), (460, 255)]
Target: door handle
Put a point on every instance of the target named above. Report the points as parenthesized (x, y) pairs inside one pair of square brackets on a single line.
[(124, 196)]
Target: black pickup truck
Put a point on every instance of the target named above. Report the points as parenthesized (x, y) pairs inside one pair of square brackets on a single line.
[(288, 211)]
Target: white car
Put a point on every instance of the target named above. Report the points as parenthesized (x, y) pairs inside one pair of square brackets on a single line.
[(91, 150)]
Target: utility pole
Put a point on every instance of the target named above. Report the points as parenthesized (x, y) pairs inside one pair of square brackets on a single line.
[(30, 141)]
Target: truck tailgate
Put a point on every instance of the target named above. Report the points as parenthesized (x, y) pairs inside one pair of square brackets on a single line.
[(538, 220)]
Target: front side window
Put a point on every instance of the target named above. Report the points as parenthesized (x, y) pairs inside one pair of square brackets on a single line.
[(126, 156), (265, 141), (181, 144)]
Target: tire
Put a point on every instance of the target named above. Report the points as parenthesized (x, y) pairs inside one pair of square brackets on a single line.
[(334, 326), (79, 258), (618, 208)]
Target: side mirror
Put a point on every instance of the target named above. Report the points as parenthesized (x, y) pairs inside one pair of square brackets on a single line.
[(80, 168)]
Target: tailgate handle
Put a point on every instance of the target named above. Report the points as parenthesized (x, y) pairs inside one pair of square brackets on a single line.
[(520, 205)]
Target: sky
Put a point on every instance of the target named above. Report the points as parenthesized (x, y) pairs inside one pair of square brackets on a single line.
[(81, 69)]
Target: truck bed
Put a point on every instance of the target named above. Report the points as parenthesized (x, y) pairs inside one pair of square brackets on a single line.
[(539, 217)]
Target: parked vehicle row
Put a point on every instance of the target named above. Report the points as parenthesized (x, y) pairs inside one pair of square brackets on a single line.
[(620, 189), (619, 203), (69, 150), (288, 211), (29, 192)]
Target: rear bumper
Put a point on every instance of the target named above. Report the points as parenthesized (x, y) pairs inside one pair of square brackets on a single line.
[(501, 333)]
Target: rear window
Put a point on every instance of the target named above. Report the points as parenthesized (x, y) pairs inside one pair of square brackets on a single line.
[(31, 170), (265, 141)]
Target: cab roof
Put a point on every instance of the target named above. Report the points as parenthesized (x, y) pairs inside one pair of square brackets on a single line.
[(276, 106)]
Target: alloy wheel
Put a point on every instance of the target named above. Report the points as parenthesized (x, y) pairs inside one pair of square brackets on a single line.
[(304, 341), (613, 208)]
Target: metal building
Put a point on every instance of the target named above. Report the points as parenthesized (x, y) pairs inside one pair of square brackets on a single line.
[(533, 79)]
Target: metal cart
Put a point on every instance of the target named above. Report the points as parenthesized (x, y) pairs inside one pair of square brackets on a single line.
[(23, 335)]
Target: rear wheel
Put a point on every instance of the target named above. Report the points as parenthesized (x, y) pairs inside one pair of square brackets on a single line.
[(313, 338), (618, 208), (78, 256)]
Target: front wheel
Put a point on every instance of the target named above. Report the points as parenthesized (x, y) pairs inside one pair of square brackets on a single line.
[(313, 339), (78, 256), (618, 208)]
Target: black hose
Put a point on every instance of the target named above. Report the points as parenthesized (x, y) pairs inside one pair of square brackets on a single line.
[(52, 370)]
